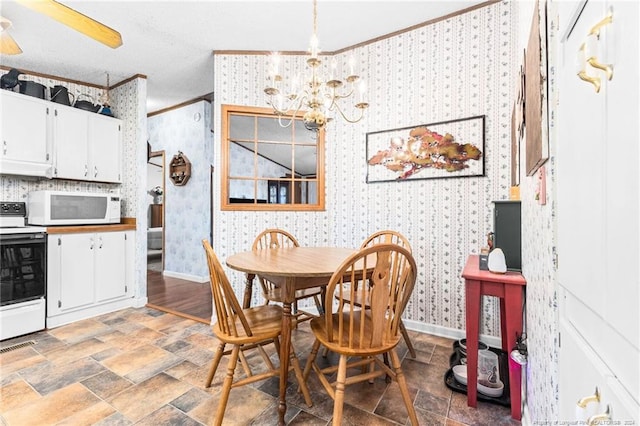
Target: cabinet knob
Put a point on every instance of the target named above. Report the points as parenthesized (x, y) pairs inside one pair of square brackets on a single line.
[(86, 170), (597, 419), (95, 171), (583, 402), (4, 147)]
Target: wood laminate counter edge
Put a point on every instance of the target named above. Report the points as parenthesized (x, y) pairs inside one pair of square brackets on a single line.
[(77, 229)]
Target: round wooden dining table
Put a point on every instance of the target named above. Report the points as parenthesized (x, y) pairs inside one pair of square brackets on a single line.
[(291, 268)]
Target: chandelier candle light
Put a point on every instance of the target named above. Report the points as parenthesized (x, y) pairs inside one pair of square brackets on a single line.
[(315, 91)]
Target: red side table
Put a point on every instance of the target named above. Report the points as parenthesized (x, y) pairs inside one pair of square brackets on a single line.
[(509, 287)]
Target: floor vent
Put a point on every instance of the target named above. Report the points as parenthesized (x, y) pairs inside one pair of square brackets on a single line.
[(17, 346)]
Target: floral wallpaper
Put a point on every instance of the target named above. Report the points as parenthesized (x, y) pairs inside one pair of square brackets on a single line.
[(187, 208), (451, 69)]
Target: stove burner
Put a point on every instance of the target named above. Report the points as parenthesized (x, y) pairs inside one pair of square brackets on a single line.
[(12, 214)]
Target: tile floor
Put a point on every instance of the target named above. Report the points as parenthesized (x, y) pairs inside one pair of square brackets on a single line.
[(146, 367)]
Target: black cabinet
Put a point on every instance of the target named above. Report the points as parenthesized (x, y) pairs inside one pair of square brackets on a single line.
[(507, 232)]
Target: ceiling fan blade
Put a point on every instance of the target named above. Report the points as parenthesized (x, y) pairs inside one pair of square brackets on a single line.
[(75, 20), (8, 45)]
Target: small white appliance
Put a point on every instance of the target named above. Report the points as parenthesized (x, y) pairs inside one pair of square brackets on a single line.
[(72, 208)]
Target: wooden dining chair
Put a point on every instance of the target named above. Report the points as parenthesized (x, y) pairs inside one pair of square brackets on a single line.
[(386, 237), (276, 238), (244, 329), (358, 335)]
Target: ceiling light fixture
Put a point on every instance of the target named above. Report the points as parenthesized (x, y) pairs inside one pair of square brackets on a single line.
[(317, 92)]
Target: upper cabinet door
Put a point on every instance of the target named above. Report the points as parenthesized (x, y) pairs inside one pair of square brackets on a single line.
[(70, 133), (105, 148), (24, 128)]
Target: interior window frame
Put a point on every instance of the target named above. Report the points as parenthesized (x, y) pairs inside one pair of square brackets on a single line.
[(227, 112)]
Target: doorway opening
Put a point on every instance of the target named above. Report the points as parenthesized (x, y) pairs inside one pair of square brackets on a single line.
[(155, 211)]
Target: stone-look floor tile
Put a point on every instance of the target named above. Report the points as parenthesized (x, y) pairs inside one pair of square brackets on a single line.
[(198, 355), (46, 343), (352, 416), (76, 351), (429, 418), (423, 354), (116, 419), (426, 377), (485, 413), (53, 408), (106, 384), (305, 419), (16, 394), (19, 359), (392, 405), (203, 341), (190, 400), (89, 416), (441, 356), (182, 369), (167, 415), (269, 415), (435, 404), (137, 359), (136, 338), (107, 353), (450, 422), (48, 377), (141, 400), (365, 395), (166, 321), (79, 330), (238, 410)]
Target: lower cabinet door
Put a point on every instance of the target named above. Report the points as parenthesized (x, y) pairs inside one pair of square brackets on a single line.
[(110, 272), (76, 271)]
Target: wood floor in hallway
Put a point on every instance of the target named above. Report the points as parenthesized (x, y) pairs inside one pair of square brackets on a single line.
[(188, 299)]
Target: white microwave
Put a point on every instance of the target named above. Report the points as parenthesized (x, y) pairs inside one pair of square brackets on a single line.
[(72, 208)]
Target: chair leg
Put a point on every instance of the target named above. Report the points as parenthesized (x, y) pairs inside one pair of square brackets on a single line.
[(214, 364), (407, 340), (402, 384), (312, 357), (339, 395), (226, 387), (301, 382), (319, 306)]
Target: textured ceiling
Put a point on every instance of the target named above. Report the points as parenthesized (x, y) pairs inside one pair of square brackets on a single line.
[(171, 42)]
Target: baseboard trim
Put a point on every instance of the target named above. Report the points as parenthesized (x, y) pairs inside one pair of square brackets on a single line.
[(451, 333), (186, 277)]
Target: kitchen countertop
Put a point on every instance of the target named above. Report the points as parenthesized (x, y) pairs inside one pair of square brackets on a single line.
[(127, 224)]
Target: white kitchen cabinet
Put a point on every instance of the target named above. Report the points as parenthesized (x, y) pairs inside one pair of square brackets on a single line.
[(24, 133), (87, 274), (598, 208), (70, 135), (87, 145)]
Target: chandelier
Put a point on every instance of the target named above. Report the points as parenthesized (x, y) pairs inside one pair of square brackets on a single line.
[(314, 92)]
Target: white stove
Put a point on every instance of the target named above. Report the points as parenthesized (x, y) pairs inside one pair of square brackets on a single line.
[(23, 272)]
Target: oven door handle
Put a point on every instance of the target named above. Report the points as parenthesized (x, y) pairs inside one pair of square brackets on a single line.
[(23, 238)]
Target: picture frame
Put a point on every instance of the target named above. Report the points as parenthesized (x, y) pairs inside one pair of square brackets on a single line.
[(445, 149), (537, 142)]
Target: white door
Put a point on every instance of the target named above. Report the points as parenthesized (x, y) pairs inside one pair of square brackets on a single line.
[(76, 271), (70, 132), (110, 273), (24, 128), (105, 148)]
